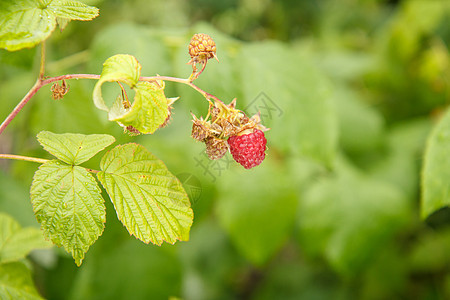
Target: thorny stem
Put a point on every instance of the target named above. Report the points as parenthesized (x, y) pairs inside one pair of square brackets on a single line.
[(41, 82)]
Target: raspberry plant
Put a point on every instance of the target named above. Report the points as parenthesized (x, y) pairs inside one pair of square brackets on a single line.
[(149, 200)]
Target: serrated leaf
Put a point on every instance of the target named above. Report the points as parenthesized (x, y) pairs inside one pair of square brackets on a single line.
[(436, 169), (16, 282), (148, 111), (62, 23), (148, 199), (67, 202), (74, 148), (150, 106), (122, 68), (73, 10), (25, 23), (16, 242)]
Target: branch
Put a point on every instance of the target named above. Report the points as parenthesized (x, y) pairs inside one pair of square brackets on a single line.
[(183, 81), (24, 158), (41, 82)]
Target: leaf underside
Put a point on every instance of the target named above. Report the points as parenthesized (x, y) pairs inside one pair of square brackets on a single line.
[(150, 106)]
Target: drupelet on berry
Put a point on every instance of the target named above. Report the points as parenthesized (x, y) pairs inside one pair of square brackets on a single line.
[(202, 47)]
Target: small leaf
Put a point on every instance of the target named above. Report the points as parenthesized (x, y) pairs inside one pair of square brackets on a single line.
[(148, 111), (148, 199), (436, 169), (16, 282), (66, 200), (72, 148), (121, 67), (17, 242), (25, 23)]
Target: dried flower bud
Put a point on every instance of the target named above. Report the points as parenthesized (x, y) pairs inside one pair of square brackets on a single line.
[(132, 131), (215, 148), (199, 129), (58, 91)]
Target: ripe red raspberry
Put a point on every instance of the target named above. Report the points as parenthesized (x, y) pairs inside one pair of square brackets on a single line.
[(248, 149)]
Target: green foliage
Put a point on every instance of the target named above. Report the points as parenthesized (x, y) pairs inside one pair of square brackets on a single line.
[(307, 124), (329, 224), (26, 23), (66, 199), (436, 169), (256, 212), (16, 282), (74, 149), (332, 213), (16, 242), (148, 199), (149, 108), (68, 204)]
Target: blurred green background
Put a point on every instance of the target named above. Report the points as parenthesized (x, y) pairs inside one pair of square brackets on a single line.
[(350, 90)]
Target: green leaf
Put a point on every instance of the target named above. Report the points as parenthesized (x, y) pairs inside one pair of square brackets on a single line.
[(150, 106), (256, 211), (148, 111), (436, 169), (152, 272), (25, 23), (17, 242), (349, 218), (361, 126), (16, 282), (73, 148), (122, 68), (294, 99), (67, 202), (148, 199), (73, 10), (62, 23)]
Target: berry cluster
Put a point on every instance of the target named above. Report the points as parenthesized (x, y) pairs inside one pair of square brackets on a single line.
[(227, 128)]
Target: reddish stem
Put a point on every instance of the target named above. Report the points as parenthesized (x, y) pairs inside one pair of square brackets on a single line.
[(41, 82)]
